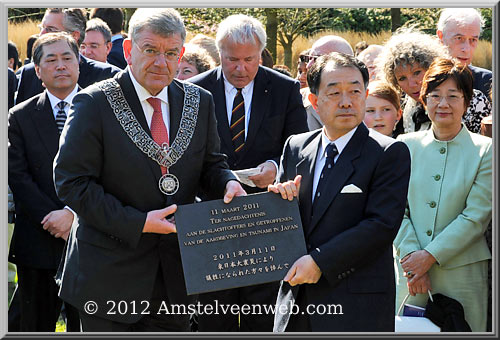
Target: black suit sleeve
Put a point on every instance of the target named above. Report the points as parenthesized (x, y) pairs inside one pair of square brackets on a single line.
[(27, 192), (295, 117), (77, 174), (384, 212), (216, 172)]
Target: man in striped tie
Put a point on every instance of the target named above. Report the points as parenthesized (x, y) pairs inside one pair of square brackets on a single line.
[(257, 109), (42, 220)]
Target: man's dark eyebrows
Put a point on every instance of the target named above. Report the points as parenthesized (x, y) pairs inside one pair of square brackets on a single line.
[(355, 82)]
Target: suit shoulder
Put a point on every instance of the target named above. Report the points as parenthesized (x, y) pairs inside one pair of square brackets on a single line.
[(277, 77), (101, 67), (479, 70), (26, 106), (203, 91), (203, 78), (303, 139)]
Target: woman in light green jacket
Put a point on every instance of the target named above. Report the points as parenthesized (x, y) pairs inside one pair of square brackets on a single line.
[(441, 245)]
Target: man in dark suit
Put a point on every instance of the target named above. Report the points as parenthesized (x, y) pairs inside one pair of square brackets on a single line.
[(257, 109), (11, 87), (42, 220), (351, 183), (72, 21), (459, 30), (114, 18), (123, 256)]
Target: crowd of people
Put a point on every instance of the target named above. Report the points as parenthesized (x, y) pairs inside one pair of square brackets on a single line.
[(385, 146)]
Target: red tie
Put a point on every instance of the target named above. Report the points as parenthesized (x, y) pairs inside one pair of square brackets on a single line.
[(158, 129)]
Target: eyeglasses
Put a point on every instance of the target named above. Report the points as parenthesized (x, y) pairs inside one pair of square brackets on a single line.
[(92, 46), (307, 58), (49, 29), (450, 99), (151, 52)]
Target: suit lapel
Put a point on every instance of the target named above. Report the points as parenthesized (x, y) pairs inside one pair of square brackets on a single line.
[(260, 106), (219, 96), (306, 168), (175, 106), (43, 118), (341, 172), (136, 107)]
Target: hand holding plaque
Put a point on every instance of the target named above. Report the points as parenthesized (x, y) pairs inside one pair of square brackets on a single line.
[(251, 240)]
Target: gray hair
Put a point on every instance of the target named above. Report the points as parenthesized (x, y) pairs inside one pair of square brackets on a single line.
[(241, 29), (462, 16), (100, 26), (164, 22), (407, 47), (74, 19)]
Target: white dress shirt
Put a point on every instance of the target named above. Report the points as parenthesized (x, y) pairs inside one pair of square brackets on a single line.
[(340, 143), (231, 92), (144, 94), (54, 101)]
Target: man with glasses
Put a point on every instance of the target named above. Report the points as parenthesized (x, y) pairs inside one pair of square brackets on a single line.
[(459, 30), (97, 42), (324, 45), (71, 21), (123, 168), (351, 183)]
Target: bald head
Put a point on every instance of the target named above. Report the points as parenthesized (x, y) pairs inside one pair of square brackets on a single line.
[(331, 43), (368, 56), (326, 45)]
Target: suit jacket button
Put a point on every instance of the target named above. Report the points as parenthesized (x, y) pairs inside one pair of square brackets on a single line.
[(442, 150), (339, 277), (344, 275), (429, 232), (352, 269), (432, 204)]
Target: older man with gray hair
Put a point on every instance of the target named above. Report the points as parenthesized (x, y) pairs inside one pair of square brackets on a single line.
[(257, 109), (115, 169), (322, 46), (459, 30)]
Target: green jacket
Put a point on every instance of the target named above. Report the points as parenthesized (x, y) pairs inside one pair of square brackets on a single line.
[(449, 198)]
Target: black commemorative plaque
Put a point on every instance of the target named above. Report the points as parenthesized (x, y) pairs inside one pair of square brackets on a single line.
[(251, 240)]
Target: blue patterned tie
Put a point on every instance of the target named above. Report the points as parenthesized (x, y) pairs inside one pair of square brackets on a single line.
[(331, 151), (61, 115)]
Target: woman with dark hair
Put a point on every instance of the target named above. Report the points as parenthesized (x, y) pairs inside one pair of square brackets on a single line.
[(441, 245), (405, 58)]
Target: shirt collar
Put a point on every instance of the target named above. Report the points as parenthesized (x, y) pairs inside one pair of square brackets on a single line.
[(144, 94), (116, 37), (229, 88), (69, 98), (340, 143)]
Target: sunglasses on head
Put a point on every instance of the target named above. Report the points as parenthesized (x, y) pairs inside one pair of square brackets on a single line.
[(307, 58)]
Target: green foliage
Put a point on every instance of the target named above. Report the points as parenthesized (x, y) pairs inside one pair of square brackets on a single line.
[(372, 20), (487, 14), (17, 15)]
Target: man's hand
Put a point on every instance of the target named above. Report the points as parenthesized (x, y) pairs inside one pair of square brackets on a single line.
[(58, 222), (417, 264), (266, 176), (233, 188), (156, 221), (288, 190), (304, 270), (420, 286)]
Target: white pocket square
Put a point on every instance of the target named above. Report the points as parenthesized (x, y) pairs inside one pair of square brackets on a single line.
[(351, 189)]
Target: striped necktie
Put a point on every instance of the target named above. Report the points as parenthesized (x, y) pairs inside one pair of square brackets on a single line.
[(331, 151), (238, 122), (61, 116)]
